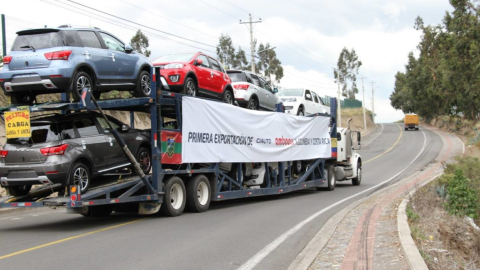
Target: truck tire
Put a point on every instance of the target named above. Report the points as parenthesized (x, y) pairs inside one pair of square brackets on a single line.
[(332, 182), (19, 190), (174, 198), (357, 180), (198, 194)]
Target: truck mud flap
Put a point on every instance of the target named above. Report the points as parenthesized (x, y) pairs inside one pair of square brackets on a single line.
[(148, 208)]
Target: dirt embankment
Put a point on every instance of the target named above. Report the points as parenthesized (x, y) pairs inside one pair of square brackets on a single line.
[(357, 119)]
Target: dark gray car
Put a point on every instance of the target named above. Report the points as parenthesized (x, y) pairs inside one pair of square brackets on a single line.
[(69, 149)]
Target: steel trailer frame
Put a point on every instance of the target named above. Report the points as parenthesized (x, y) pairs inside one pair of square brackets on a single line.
[(134, 190)]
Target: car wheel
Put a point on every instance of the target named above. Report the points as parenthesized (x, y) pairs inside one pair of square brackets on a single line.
[(198, 194), (189, 87), (228, 96), (21, 98), (297, 167), (80, 176), (19, 190), (252, 104), (81, 80), (300, 112), (174, 198), (144, 159), (144, 88)]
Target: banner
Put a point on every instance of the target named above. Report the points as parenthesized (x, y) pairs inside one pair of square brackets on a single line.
[(219, 132), (17, 123)]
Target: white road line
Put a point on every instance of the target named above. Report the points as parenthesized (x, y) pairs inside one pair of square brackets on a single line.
[(257, 258), (374, 137)]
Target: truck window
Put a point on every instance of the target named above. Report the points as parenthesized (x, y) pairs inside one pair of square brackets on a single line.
[(339, 136)]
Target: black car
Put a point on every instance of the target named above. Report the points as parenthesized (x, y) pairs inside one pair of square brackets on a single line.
[(69, 149)]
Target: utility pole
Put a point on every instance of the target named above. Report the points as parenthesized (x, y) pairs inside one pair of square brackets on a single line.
[(339, 104), (252, 48), (363, 103), (373, 101), (4, 39)]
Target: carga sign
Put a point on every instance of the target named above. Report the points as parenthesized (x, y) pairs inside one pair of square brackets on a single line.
[(17, 123)]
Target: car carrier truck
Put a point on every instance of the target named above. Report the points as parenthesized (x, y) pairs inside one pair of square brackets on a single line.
[(174, 185)]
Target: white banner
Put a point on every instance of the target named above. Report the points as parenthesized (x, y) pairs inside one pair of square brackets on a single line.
[(219, 132)]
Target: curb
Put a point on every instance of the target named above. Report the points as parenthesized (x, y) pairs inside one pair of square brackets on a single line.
[(414, 258)]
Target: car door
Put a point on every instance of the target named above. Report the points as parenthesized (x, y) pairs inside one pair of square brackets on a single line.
[(123, 65), (94, 144), (270, 101), (218, 77), (116, 155), (309, 105), (316, 104), (95, 55), (203, 73), (259, 91)]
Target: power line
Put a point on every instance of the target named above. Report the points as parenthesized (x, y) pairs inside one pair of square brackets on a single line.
[(170, 34), (235, 6), (220, 10)]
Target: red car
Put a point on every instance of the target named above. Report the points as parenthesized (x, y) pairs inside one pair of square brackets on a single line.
[(195, 74)]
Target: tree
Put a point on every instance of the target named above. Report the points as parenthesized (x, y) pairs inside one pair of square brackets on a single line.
[(225, 51), (140, 44), (346, 71), (240, 61), (269, 63)]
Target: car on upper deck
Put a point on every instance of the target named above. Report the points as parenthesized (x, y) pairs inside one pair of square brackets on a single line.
[(301, 101), (195, 74), (67, 59)]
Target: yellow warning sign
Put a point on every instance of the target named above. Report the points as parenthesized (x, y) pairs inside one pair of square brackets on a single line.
[(17, 123)]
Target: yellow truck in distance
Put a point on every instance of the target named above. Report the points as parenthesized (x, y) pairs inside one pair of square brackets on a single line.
[(411, 121)]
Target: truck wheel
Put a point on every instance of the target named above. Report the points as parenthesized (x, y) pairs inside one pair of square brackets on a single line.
[(174, 197), (332, 182), (99, 211), (297, 167), (19, 190), (357, 180), (416, 128), (198, 194), (80, 176), (406, 129), (143, 88)]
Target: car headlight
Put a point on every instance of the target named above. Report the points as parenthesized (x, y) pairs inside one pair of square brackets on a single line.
[(289, 99), (170, 66)]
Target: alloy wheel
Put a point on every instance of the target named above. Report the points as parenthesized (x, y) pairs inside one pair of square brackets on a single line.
[(80, 177), (190, 88), (82, 82), (146, 88), (144, 160)]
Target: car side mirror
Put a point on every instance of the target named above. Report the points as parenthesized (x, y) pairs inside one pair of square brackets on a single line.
[(128, 48), (198, 62), (125, 128), (275, 90)]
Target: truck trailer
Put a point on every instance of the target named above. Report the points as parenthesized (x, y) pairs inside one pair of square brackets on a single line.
[(173, 186)]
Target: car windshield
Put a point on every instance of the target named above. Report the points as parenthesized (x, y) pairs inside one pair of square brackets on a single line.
[(37, 41), (44, 133), (182, 57), (237, 76), (290, 92)]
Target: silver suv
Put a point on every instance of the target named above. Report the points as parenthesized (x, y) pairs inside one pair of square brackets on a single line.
[(69, 149), (64, 59)]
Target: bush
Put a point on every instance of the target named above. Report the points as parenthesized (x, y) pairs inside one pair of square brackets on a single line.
[(462, 199)]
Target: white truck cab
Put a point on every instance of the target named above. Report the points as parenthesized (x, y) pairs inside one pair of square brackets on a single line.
[(348, 165)]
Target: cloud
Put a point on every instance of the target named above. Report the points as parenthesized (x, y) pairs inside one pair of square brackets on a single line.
[(393, 10)]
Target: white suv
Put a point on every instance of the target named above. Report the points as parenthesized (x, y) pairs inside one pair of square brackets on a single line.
[(252, 91), (301, 101)]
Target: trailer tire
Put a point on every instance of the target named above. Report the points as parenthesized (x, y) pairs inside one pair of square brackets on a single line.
[(357, 180), (174, 198), (99, 211), (332, 182), (198, 194), (19, 190)]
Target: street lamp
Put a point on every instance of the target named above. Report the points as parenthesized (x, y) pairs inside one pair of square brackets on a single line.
[(269, 63)]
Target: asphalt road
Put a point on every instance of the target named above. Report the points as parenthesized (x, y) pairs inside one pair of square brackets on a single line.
[(265, 233)]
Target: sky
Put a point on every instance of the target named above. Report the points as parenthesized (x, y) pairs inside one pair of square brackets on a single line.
[(308, 35)]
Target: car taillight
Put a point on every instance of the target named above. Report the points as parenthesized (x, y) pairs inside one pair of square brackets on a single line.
[(7, 59), (241, 86), (60, 55), (55, 150), (3, 153)]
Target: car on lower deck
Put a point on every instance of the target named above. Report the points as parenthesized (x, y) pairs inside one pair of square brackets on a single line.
[(195, 74), (69, 149), (252, 91), (65, 59), (300, 101)]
